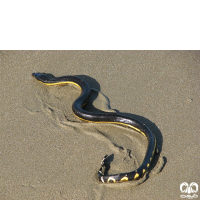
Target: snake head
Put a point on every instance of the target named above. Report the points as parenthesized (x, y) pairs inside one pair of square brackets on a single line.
[(42, 76)]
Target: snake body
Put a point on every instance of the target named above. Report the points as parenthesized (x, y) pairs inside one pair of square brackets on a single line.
[(105, 117)]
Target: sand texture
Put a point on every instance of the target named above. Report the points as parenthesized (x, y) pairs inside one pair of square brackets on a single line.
[(47, 153)]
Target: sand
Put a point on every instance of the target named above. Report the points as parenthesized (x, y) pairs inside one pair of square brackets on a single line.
[(47, 153)]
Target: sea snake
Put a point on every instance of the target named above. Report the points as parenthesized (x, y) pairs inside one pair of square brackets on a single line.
[(105, 117)]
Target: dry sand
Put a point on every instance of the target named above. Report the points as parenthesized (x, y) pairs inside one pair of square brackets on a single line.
[(47, 153)]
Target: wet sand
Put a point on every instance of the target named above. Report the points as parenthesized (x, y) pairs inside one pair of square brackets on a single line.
[(47, 153)]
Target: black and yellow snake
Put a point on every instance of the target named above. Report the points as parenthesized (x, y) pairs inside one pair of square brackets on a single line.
[(105, 117)]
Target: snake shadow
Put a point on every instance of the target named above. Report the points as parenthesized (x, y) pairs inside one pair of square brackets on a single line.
[(152, 126)]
